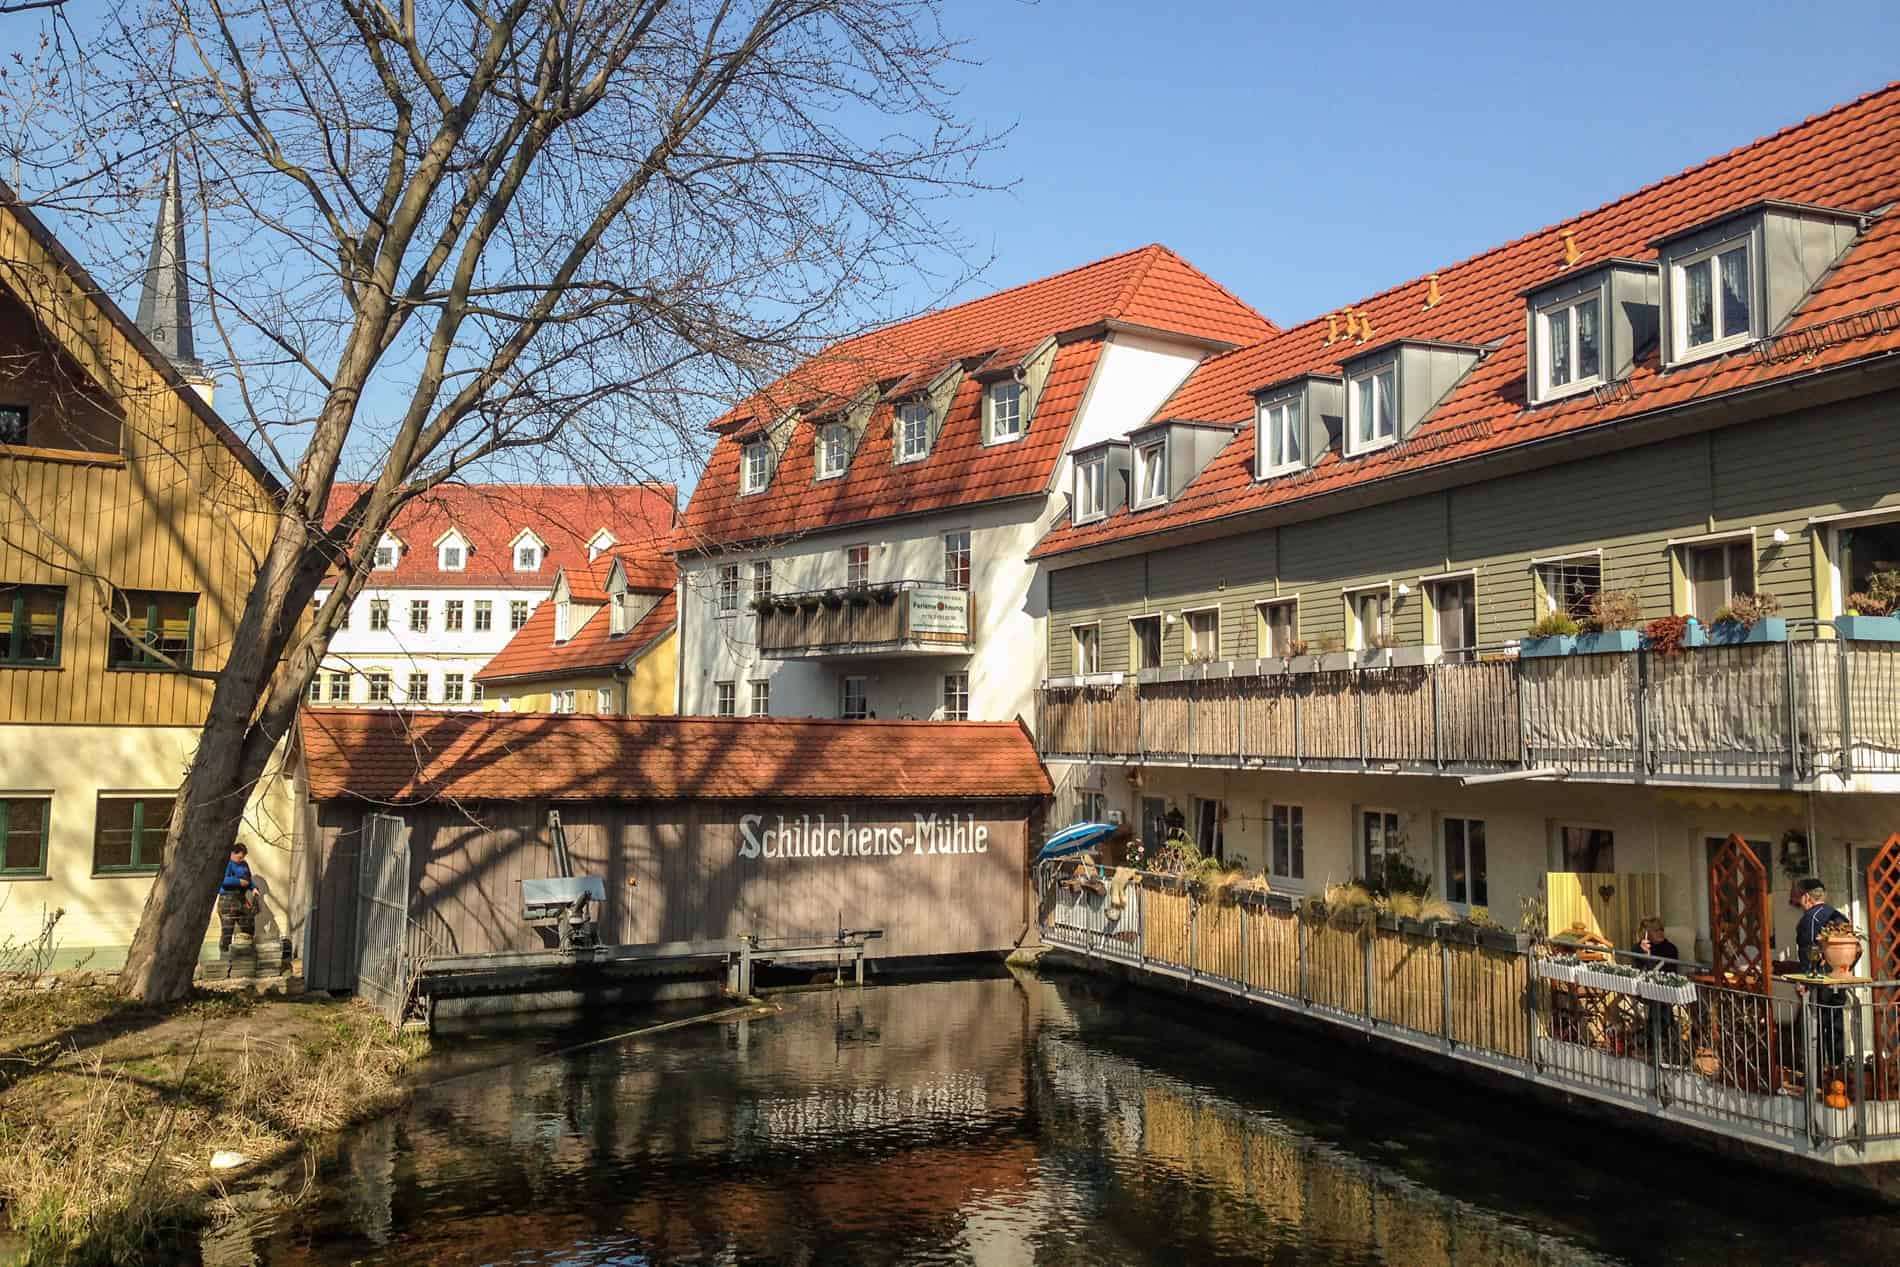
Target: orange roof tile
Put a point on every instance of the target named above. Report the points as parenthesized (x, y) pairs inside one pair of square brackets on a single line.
[(389, 756), (1847, 158), (1151, 288), (491, 516), (532, 653)]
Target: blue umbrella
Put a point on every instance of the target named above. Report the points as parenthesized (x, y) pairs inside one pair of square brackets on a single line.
[(1075, 839)]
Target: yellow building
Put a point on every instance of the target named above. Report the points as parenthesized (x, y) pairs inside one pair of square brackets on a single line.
[(605, 642), (129, 516)]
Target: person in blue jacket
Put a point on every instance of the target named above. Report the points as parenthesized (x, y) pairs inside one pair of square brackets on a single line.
[(1816, 914), (237, 900)]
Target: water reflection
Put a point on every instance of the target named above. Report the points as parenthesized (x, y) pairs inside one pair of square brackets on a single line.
[(991, 1123)]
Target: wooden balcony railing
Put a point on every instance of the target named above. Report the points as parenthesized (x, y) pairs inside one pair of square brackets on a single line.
[(1773, 714), (919, 616)]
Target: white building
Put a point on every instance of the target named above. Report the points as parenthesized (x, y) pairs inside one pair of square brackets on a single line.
[(460, 571), (858, 543)]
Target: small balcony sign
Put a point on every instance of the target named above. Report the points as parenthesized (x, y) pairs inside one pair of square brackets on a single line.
[(939, 611), (813, 837)]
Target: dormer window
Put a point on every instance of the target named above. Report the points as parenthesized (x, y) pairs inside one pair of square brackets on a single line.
[(755, 466), (1091, 489), (834, 450), (1714, 296), (563, 618), (529, 551), (1281, 430), (617, 615), (1570, 345), (913, 432), (1372, 399), (451, 552), (1004, 402), (1151, 473), (599, 544), (387, 552)]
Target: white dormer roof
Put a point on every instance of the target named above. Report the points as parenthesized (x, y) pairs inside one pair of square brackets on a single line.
[(453, 539), (527, 537), (601, 542), (394, 544)]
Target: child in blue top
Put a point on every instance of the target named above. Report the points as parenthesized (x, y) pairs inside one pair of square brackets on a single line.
[(237, 900)]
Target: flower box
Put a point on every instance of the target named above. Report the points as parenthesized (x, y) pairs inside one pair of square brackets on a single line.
[(1556, 971), (1680, 995), (1694, 634), (1594, 978), (1504, 939), (1732, 633), (1560, 644), (1373, 657), (1302, 664), (1868, 628), (1415, 657), (1608, 642), (1336, 661)]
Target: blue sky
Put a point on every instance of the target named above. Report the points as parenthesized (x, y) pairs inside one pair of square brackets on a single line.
[(1309, 157)]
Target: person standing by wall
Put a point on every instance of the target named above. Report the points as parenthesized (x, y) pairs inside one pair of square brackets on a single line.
[(237, 899), (1816, 914)]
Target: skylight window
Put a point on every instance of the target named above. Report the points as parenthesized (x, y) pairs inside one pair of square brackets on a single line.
[(1279, 436), (1570, 345), (755, 466), (1373, 402), (1005, 402), (913, 432), (834, 450)]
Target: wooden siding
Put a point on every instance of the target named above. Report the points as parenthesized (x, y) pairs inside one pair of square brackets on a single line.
[(1769, 474), (175, 510), (674, 872)]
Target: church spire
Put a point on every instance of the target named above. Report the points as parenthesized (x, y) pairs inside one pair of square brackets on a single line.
[(165, 300)]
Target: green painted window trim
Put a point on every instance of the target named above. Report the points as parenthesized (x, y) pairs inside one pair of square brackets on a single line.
[(137, 866), (6, 827), (11, 650), (144, 663)]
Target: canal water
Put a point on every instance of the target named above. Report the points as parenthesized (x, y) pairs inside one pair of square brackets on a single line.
[(1009, 1121)]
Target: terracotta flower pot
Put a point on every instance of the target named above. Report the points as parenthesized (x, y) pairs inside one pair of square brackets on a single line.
[(1842, 952)]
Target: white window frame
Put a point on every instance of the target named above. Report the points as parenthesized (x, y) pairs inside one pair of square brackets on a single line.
[(1359, 834), (454, 615), (1724, 341), (1091, 490), (1547, 604), (760, 702), (726, 590), (1263, 628), (1286, 880), (604, 700), (1094, 641), (522, 607), (857, 566), (413, 695), (1189, 642), (1546, 390), (1282, 418), (1428, 587), (956, 686), (454, 688), (387, 555), (761, 578), (967, 555), (844, 696), (382, 686), (991, 397), (1444, 861), (726, 699), (1219, 833), (918, 413), (755, 466), (1134, 639), (460, 563), (1145, 461), (561, 701), (484, 615), (379, 615), (341, 687), (1353, 445), (1356, 639), (419, 605), (834, 450), (598, 544)]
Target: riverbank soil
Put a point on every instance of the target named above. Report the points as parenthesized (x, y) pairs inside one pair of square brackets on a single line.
[(110, 1111)]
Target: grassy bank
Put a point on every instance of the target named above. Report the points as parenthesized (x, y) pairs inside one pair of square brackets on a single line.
[(110, 1111)]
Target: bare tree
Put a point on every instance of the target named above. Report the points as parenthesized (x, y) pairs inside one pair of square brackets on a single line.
[(443, 234)]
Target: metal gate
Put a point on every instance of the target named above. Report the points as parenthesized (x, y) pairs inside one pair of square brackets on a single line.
[(382, 915)]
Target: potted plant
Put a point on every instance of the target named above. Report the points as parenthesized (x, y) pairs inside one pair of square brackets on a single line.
[(787, 603), (1300, 657), (859, 597), (1611, 625), (1749, 618), (1666, 987), (1667, 635), (1555, 634), (885, 594), (1333, 656), (833, 599), (1871, 612), (1377, 653), (763, 603), (809, 602), (1840, 944)]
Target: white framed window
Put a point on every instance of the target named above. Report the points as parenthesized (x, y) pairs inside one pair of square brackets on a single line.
[(1004, 402), (1716, 573), (761, 697), (1372, 406), (1380, 837), (599, 544), (563, 619), (956, 697), (418, 688), (1570, 345), (1368, 616), (1202, 639), (339, 688), (913, 432), (1462, 842), (1151, 473), (1091, 489), (1210, 828), (761, 577), (1286, 843), (853, 698), (755, 466), (1279, 626), (1453, 606), (1713, 299), (477, 692), (314, 692), (517, 613), (387, 554), (1567, 585), (604, 700), (528, 553), (379, 686), (452, 615), (857, 567), (419, 615), (1087, 640), (834, 450), (452, 557), (725, 699), (561, 701), (454, 688), (956, 559), (728, 591), (620, 613), (1280, 427), (1144, 642), (378, 613), (484, 615)]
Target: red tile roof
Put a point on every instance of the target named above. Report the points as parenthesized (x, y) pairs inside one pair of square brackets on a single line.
[(390, 756), (491, 516), (1151, 288), (1848, 158), (532, 653)]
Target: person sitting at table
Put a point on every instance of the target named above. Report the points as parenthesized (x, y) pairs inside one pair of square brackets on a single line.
[(1653, 946), (1817, 914)]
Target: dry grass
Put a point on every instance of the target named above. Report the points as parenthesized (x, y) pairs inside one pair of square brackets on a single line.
[(109, 1112)]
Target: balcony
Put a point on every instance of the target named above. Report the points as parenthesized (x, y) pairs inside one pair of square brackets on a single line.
[(1780, 715), (898, 618)]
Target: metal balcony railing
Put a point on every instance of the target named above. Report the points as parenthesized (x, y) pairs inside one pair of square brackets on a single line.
[(923, 616), (1773, 713)]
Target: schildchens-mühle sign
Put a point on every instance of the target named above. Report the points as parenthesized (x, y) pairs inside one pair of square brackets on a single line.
[(817, 836)]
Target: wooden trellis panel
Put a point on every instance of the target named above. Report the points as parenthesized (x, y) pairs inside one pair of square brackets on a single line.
[(1739, 925), (1883, 944)]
